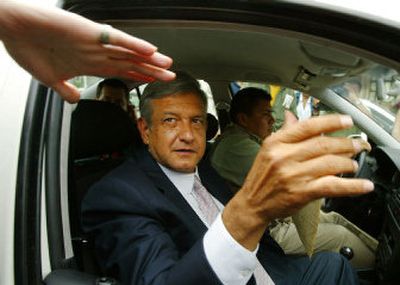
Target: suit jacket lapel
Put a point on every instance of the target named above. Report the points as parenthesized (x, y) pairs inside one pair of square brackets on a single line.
[(213, 183), (161, 181)]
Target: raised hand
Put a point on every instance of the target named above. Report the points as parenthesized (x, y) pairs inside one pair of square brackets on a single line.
[(293, 167), (55, 45)]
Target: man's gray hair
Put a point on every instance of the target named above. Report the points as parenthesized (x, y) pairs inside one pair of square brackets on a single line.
[(183, 83)]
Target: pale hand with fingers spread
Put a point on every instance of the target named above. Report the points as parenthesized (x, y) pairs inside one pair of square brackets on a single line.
[(55, 46)]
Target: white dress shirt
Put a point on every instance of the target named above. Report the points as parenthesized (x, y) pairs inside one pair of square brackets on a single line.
[(231, 262)]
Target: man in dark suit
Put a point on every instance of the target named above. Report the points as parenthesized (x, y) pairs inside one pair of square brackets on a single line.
[(154, 224)]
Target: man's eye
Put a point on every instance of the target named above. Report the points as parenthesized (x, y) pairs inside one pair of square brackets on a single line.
[(198, 121), (169, 120)]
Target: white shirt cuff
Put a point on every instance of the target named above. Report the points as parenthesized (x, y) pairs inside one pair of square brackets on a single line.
[(231, 262)]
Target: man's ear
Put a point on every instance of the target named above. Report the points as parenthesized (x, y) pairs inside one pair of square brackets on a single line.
[(144, 130), (241, 119)]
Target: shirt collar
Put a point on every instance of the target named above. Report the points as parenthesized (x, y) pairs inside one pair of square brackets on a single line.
[(182, 181)]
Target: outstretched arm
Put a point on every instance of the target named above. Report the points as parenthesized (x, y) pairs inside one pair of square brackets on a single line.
[(55, 45)]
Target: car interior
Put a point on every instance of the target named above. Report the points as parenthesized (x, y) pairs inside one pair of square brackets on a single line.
[(85, 141)]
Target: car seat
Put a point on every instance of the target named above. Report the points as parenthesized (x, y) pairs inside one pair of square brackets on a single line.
[(212, 127), (102, 136), (211, 132), (223, 115)]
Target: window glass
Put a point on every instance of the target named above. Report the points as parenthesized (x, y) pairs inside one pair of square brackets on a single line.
[(376, 92), (83, 82), (237, 85)]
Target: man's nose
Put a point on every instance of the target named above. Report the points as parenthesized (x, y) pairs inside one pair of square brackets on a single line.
[(186, 132)]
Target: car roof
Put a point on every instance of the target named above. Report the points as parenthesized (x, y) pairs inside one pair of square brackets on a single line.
[(280, 42)]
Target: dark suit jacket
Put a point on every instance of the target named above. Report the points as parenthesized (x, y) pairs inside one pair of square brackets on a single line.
[(146, 233)]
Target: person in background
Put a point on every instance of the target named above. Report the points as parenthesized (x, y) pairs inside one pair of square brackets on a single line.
[(55, 45), (115, 91), (285, 99), (232, 156), (304, 107), (299, 103)]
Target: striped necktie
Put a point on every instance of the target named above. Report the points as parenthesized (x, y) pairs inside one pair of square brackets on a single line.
[(210, 212)]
